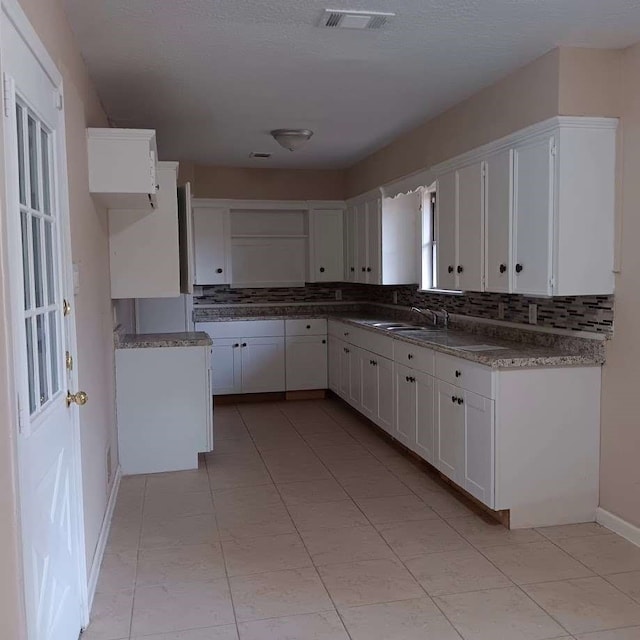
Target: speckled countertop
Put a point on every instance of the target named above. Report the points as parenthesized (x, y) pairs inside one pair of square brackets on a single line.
[(151, 340), (515, 347)]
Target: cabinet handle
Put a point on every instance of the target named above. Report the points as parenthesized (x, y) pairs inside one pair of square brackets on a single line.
[(412, 379), (410, 356), (368, 269), (364, 269), (353, 269), (460, 400), (407, 378), (503, 268), (460, 268), (218, 270), (321, 269), (308, 326), (453, 398), (347, 350), (450, 269), (346, 333), (458, 374), (236, 345), (519, 268), (324, 342), (374, 363)]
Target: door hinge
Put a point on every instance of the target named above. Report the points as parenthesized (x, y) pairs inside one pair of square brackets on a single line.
[(58, 100), (552, 284), (553, 148), (6, 93)]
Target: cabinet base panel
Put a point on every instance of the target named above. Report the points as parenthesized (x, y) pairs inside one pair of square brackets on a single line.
[(310, 394), (237, 398)]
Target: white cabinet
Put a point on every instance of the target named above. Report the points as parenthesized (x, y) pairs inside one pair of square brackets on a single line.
[(449, 441), (479, 447), (185, 232), (350, 235), (144, 245), (377, 389), (306, 354), (366, 240), (122, 167), (460, 228), (226, 366), (425, 415), (353, 364), (335, 364), (405, 406), (263, 364), (326, 245), (211, 244)]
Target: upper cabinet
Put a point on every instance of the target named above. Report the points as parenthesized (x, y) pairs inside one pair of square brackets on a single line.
[(326, 244), (123, 167), (381, 239), (532, 213), (211, 244)]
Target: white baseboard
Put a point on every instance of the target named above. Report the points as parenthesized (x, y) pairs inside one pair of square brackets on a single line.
[(102, 539), (618, 525)]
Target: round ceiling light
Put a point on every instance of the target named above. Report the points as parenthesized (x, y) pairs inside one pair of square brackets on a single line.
[(291, 139)]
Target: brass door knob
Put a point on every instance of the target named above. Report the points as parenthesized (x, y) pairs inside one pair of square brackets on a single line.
[(80, 398)]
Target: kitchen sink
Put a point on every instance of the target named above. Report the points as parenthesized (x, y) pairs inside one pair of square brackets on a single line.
[(414, 328)]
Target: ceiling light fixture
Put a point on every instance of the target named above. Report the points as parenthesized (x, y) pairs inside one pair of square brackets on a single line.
[(291, 139)]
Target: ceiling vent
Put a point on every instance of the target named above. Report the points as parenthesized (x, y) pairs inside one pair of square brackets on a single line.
[(353, 19), (259, 154)]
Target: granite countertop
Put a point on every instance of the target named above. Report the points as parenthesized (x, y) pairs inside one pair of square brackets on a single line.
[(151, 340)]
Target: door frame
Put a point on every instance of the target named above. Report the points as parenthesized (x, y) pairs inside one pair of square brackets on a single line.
[(12, 11)]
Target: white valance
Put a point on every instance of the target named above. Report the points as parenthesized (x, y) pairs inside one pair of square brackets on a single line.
[(408, 184)]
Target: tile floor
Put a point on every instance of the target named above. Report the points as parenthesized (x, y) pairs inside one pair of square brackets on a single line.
[(305, 524)]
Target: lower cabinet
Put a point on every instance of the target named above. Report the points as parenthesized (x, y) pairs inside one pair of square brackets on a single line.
[(377, 389), (306, 363)]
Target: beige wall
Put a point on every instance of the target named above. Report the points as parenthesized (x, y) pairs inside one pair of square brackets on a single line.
[(266, 184), (620, 455), (94, 360)]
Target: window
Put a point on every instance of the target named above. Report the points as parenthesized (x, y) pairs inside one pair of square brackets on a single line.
[(428, 279)]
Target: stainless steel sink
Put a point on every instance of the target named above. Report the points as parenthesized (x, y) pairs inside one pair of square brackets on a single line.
[(414, 328)]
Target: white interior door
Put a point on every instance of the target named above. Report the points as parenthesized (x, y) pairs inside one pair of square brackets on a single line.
[(40, 262)]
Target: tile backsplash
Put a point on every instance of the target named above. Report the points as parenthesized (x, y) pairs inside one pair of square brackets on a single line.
[(579, 313)]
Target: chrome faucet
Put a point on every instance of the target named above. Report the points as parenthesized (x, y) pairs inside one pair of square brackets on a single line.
[(426, 312)]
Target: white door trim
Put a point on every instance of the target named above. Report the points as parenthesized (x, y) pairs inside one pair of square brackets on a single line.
[(18, 18)]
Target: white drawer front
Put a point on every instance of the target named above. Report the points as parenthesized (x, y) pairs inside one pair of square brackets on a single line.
[(242, 328), (467, 375), (374, 342), (341, 330), (410, 355), (300, 327)]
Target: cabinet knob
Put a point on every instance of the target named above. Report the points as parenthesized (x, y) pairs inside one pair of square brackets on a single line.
[(324, 342), (353, 269), (374, 363), (410, 356), (364, 269), (236, 345), (406, 378), (460, 400), (347, 351), (519, 268), (450, 268), (368, 269), (458, 374), (308, 326), (321, 269), (346, 333), (412, 379), (453, 398), (244, 344), (460, 268), (503, 268), (218, 270)]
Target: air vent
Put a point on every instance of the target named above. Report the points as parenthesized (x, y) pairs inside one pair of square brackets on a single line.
[(258, 154), (353, 19)]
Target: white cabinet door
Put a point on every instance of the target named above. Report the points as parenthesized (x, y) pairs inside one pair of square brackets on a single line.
[(306, 363), (374, 241), (446, 231), (362, 242), (533, 216), (405, 405), (226, 366), (385, 417), (351, 259), (211, 245), (450, 431), (335, 351), (355, 376), (425, 415), (327, 247), (185, 231), (499, 199), (470, 227), (369, 400), (345, 371), (479, 447), (262, 365)]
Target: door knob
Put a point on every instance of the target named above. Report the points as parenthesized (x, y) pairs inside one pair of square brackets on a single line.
[(80, 398)]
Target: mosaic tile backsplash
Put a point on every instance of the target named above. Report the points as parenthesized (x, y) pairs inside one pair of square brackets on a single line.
[(583, 313)]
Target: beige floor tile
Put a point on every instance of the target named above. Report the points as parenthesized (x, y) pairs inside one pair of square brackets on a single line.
[(481, 533), (312, 491), (110, 616), (498, 614), (158, 533), (225, 632), (334, 546), (535, 562), (456, 572), (219, 461), (420, 482), (178, 607), (310, 626), (353, 451), (628, 583), (395, 509), (587, 604), (381, 485), (447, 505), (418, 537), (582, 530), (242, 445), (242, 498), (405, 620), (172, 506), (604, 554), (269, 520), (162, 484), (358, 468), (118, 570), (278, 593), (398, 464), (270, 553), (334, 438), (246, 476), (369, 582), (631, 633), (124, 534), (193, 563), (327, 515), (294, 466)]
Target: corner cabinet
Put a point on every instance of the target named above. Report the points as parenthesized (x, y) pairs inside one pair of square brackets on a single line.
[(532, 213)]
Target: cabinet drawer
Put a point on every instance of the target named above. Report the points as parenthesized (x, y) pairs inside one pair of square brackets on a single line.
[(413, 356), (374, 342), (242, 328), (300, 327), (339, 329), (467, 375)]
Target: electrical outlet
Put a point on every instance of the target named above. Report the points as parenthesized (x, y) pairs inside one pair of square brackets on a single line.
[(338, 294), (395, 297), (500, 310), (533, 313)]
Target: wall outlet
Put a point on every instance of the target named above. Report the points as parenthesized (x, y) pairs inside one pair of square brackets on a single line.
[(533, 313), (500, 310), (338, 294), (395, 297)]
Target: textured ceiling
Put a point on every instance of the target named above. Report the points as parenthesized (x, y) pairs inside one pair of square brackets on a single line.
[(214, 76)]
